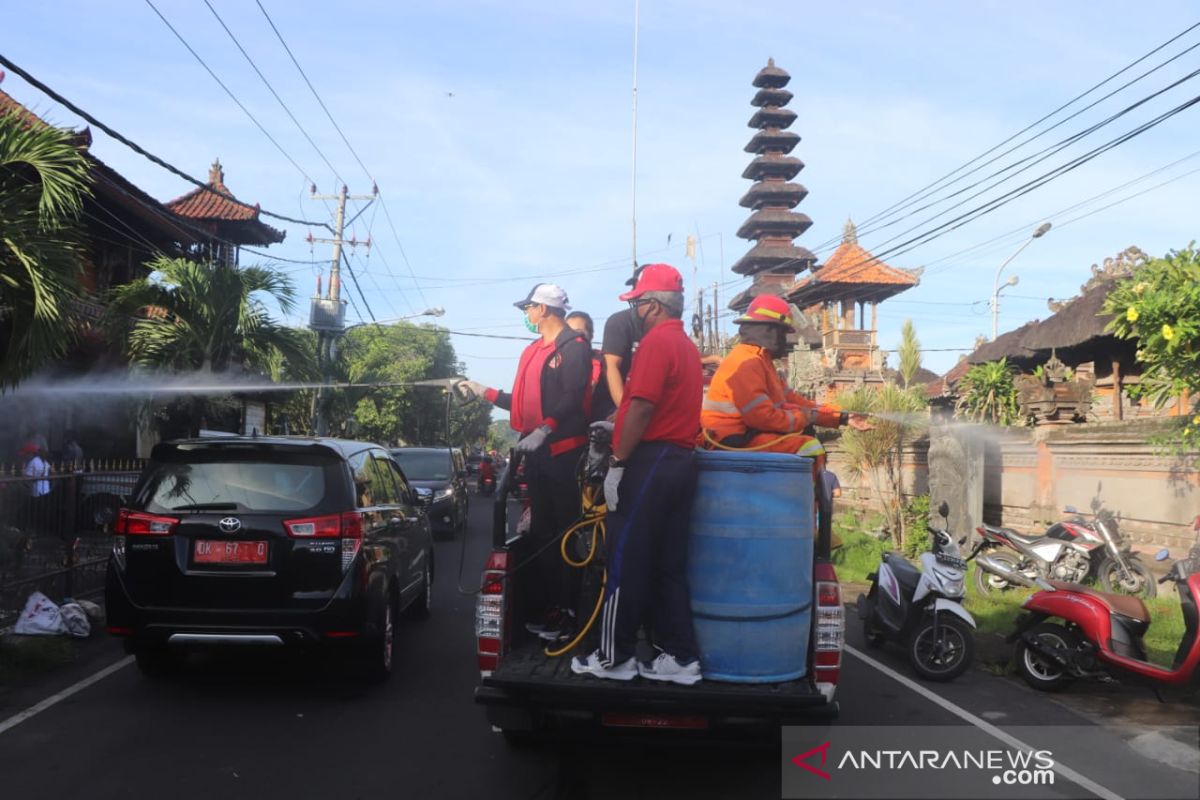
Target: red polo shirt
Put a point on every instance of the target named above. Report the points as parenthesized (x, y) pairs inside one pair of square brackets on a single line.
[(666, 372)]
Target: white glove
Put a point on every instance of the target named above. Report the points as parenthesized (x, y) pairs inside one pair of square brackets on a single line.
[(470, 389), (608, 426), (534, 440), (612, 482)]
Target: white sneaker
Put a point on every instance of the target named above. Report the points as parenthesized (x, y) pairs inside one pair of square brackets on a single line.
[(666, 668), (590, 665)]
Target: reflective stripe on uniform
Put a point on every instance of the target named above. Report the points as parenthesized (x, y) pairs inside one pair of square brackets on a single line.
[(812, 448), (755, 403), (719, 406)]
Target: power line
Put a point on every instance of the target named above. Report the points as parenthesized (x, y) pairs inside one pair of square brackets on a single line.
[(229, 92), (354, 278), (274, 93), (58, 98), (382, 200), (900, 204)]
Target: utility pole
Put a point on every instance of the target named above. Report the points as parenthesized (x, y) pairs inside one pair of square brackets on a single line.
[(328, 313)]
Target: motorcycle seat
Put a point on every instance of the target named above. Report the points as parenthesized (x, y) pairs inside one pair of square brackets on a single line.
[(1009, 533), (1123, 604), (906, 574)]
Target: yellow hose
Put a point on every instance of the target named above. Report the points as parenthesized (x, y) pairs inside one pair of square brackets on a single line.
[(593, 515), (708, 438)]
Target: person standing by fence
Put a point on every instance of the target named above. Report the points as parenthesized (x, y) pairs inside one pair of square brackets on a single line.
[(38, 470)]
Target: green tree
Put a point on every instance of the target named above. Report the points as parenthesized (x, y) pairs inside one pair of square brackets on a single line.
[(400, 354), (909, 352), (44, 178), (190, 317), (500, 436), (875, 455), (987, 393), (1158, 306)]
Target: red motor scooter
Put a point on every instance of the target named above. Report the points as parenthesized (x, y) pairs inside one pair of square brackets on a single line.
[(1101, 634)]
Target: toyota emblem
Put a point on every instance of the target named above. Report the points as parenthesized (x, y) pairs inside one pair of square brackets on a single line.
[(230, 525)]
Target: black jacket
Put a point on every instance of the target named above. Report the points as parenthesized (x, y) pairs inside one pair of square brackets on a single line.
[(566, 378)]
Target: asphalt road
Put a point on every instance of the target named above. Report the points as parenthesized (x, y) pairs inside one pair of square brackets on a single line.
[(278, 725)]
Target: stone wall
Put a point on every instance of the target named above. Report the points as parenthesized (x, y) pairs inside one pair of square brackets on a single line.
[(1030, 475)]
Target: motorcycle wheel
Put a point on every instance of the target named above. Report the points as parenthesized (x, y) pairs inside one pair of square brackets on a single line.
[(947, 656), (1140, 583), (986, 582), (1038, 671)]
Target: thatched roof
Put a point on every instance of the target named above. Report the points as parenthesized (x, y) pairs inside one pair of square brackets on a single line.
[(1008, 345), (1079, 321)]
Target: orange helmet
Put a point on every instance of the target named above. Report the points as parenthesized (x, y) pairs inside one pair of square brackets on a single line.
[(769, 309)]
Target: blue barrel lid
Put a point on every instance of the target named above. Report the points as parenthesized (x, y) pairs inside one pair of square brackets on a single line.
[(726, 460)]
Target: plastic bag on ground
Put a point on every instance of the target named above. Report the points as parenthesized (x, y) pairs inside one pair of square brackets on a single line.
[(40, 617), (76, 620), (94, 611)]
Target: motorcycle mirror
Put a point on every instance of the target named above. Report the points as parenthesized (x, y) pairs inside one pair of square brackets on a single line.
[(944, 512), (1162, 555)]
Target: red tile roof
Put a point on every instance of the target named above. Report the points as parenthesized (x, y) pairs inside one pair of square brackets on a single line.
[(850, 263), (214, 202)]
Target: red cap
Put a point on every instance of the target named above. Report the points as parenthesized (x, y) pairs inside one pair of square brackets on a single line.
[(656, 278), (28, 449), (767, 308)]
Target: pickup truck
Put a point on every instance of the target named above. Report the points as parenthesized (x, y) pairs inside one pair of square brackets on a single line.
[(524, 691)]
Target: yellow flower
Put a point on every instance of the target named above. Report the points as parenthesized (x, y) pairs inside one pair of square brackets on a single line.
[(1131, 314), (1141, 287), (1168, 332), (1196, 420)]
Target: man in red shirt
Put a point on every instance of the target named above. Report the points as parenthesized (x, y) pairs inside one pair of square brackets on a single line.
[(648, 491)]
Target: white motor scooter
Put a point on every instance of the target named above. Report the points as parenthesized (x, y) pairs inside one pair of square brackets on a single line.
[(922, 610)]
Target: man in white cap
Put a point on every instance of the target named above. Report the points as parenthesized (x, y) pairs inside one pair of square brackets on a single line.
[(547, 408)]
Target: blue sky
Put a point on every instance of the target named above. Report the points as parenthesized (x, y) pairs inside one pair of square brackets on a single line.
[(500, 134)]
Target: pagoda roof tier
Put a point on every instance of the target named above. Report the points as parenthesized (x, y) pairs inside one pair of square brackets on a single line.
[(214, 203), (773, 193), (773, 165), (772, 257), (772, 117), (773, 140), (852, 272), (774, 222), (771, 97), (771, 76)]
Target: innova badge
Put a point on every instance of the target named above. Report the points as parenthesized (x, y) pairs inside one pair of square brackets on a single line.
[(230, 525)]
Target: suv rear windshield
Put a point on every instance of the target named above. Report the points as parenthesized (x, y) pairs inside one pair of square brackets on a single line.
[(234, 485), (424, 465)]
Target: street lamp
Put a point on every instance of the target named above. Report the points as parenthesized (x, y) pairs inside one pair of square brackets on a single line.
[(996, 287)]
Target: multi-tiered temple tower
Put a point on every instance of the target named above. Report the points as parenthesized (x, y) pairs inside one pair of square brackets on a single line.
[(774, 260)]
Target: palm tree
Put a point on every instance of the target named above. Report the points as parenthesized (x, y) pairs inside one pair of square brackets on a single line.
[(44, 178), (210, 318), (193, 316)]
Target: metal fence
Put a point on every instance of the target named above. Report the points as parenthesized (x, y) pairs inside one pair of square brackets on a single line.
[(54, 531)]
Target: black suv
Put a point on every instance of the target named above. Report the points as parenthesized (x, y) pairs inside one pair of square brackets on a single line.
[(440, 477), (268, 541)]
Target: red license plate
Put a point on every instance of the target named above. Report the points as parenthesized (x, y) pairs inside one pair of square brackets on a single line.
[(212, 552)]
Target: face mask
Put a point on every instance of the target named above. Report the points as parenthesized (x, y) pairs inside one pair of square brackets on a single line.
[(639, 322), (529, 326)]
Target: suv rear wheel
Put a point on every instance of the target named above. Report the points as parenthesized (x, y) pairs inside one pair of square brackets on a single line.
[(379, 648)]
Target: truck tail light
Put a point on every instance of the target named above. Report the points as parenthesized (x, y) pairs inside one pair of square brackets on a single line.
[(830, 625), (348, 527), (136, 523), (490, 612)]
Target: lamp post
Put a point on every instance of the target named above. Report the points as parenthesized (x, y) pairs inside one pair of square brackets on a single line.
[(996, 287)]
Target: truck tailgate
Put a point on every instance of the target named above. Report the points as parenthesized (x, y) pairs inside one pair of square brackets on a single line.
[(527, 678)]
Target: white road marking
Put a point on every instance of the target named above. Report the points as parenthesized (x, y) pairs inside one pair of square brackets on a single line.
[(55, 699), (982, 724)]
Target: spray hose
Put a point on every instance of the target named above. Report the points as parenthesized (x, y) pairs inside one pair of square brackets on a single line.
[(708, 438), (594, 513)]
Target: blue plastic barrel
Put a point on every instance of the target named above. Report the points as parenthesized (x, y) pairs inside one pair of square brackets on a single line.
[(750, 565)]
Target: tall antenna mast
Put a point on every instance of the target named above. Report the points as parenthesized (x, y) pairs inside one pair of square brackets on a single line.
[(633, 172)]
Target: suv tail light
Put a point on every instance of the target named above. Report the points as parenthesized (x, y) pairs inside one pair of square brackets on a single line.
[(489, 612), (348, 527), (830, 627), (136, 523)]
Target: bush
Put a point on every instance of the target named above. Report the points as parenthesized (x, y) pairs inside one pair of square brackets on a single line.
[(916, 526), (861, 551)]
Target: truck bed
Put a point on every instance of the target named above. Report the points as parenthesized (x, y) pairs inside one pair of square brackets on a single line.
[(528, 678)]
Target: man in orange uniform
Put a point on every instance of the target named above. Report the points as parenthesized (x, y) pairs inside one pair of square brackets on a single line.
[(748, 407)]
